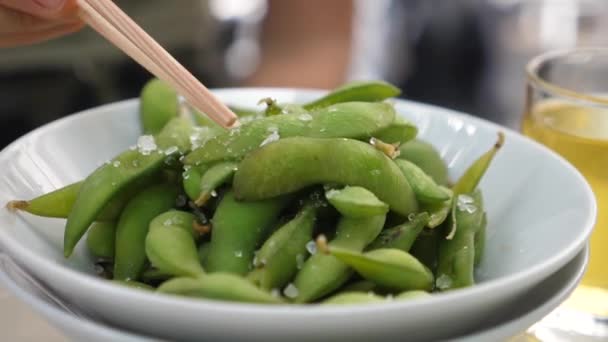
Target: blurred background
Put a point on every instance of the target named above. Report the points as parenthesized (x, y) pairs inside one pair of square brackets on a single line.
[(467, 55)]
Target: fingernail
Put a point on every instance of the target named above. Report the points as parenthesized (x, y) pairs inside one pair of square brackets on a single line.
[(51, 4)]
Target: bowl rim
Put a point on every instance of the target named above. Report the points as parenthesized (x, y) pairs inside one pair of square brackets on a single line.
[(538, 271)]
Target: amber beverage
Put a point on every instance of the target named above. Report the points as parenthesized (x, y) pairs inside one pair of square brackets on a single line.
[(567, 110)]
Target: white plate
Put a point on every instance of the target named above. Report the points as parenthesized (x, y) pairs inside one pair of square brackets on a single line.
[(534, 305), (510, 321), (541, 212), (76, 328)]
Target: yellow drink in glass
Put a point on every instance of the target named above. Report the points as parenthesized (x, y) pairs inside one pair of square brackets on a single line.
[(580, 134), (567, 111)]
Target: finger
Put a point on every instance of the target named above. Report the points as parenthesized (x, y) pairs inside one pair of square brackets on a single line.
[(13, 21), (49, 9), (25, 38)]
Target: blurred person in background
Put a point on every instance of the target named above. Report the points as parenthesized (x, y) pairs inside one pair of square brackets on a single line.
[(467, 55)]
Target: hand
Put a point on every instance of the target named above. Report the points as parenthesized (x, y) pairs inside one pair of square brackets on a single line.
[(30, 21)]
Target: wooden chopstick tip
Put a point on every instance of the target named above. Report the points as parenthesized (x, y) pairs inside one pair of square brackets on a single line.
[(233, 123)]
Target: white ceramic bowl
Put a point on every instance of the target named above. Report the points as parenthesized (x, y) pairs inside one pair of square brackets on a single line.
[(533, 306), (507, 322), (540, 212)]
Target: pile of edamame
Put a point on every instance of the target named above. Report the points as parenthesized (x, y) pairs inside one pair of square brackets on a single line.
[(335, 201)]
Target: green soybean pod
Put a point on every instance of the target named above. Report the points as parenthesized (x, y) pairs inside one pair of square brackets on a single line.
[(439, 211), (215, 176), (284, 251), (59, 203), (100, 240), (133, 225), (426, 157), (390, 268), (170, 244), (468, 182), (203, 252), (101, 186), (321, 274), (191, 182), (242, 112), (426, 190), (472, 176), (368, 91), (291, 164), (413, 294), (351, 298), (272, 107), (218, 286), (355, 201), (134, 284), (399, 132), (425, 248), (154, 275), (480, 240), (364, 119), (238, 228), (159, 103), (456, 258), (402, 236), (360, 286)]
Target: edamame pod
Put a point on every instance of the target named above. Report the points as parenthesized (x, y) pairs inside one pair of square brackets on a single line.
[(203, 252), (100, 240), (215, 176), (471, 177), (220, 286), (108, 180), (159, 104), (285, 250), (291, 164), (274, 108), (439, 211), (402, 236), (191, 182), (423, 185), (243, 112), (170, 245), (360, 286), (367, 91), (154, 275), (425, 248), (388, 267), (238, 228), (426, 157), (363, 120), (59, 203), (456, 260), (133, 225), (134, 284), (355, 201), (399, 132), (350, 298), (407, 295), (480, 240), (321, 273)]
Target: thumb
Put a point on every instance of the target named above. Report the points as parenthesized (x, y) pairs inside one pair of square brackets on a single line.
[(48, 9)]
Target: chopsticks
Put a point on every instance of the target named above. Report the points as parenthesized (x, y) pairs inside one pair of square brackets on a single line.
[(118, 28)]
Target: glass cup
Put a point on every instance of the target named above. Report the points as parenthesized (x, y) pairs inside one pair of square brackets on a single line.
[(567, 110)]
